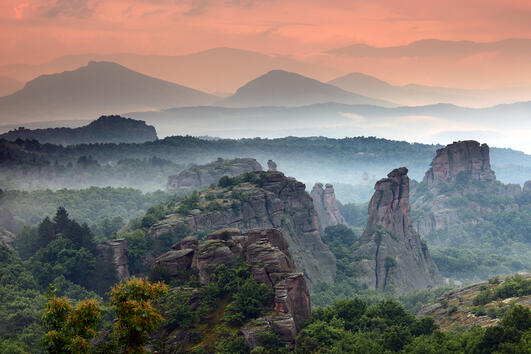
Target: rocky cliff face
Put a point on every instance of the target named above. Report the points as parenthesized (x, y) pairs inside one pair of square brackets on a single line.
[(527, 186), (266, 200), (326, 205), (267, 252), (392, 254), (460, 173), (115, 252), (467, 158), (203, 175)]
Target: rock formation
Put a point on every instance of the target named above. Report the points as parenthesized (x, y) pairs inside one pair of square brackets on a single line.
[(459, 178), (204, 175), (266, 200), (115, 251), (465, 313), (527, 186), (468, 158), (271, 165), (326, 205), (267, 253), (6, 238), (392, 255)]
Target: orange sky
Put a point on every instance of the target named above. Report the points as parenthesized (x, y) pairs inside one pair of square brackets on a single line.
[(35, 31)]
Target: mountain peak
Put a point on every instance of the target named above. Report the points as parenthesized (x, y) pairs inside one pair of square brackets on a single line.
[(98, 88), (285, 88)]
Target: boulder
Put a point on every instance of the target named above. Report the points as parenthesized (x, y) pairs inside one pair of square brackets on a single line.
[(281, 325), (189, 242), (211, 254), (176, 262)]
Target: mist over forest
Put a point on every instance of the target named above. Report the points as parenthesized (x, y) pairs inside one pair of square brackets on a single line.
[(265, 177)]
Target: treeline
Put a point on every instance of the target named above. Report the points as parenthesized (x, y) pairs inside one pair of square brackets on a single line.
[(105, 210), (348, 160)]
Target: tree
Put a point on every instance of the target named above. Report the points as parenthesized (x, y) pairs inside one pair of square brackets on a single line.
[(46, 233), (135, 313), (61, 221), (70, 329)]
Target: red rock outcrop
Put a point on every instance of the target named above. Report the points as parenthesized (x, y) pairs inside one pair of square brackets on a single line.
[(391, 252), (269, 200), (267, 252), (467, 157), (326, 205)]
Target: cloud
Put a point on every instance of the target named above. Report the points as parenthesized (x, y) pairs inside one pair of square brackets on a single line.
[(199, 7), (81, 9), (19, 10)]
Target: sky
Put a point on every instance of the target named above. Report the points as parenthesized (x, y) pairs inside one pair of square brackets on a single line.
[(34, 31)]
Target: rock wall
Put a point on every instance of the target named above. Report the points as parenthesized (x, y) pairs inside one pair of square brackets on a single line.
[(115, 251), (527, 186), (326, 205), (391, 252), (271, 201), (267, 252), (468, 157), (203, 175)]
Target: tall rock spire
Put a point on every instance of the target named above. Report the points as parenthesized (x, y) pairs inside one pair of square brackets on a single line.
[(392, 255), (326, 205)]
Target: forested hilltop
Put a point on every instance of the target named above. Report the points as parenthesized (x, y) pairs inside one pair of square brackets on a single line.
[(106, 129), (29, 164)]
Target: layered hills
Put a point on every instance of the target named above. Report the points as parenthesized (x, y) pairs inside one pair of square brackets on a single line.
[(415, 94), (106, 129)]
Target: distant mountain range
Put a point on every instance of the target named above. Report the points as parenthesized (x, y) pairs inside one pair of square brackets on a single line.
[(437, 48), (106, 129), (9, 85), (218, 69), (93, 90), (413, 95), (439, 123), (282, 88)]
